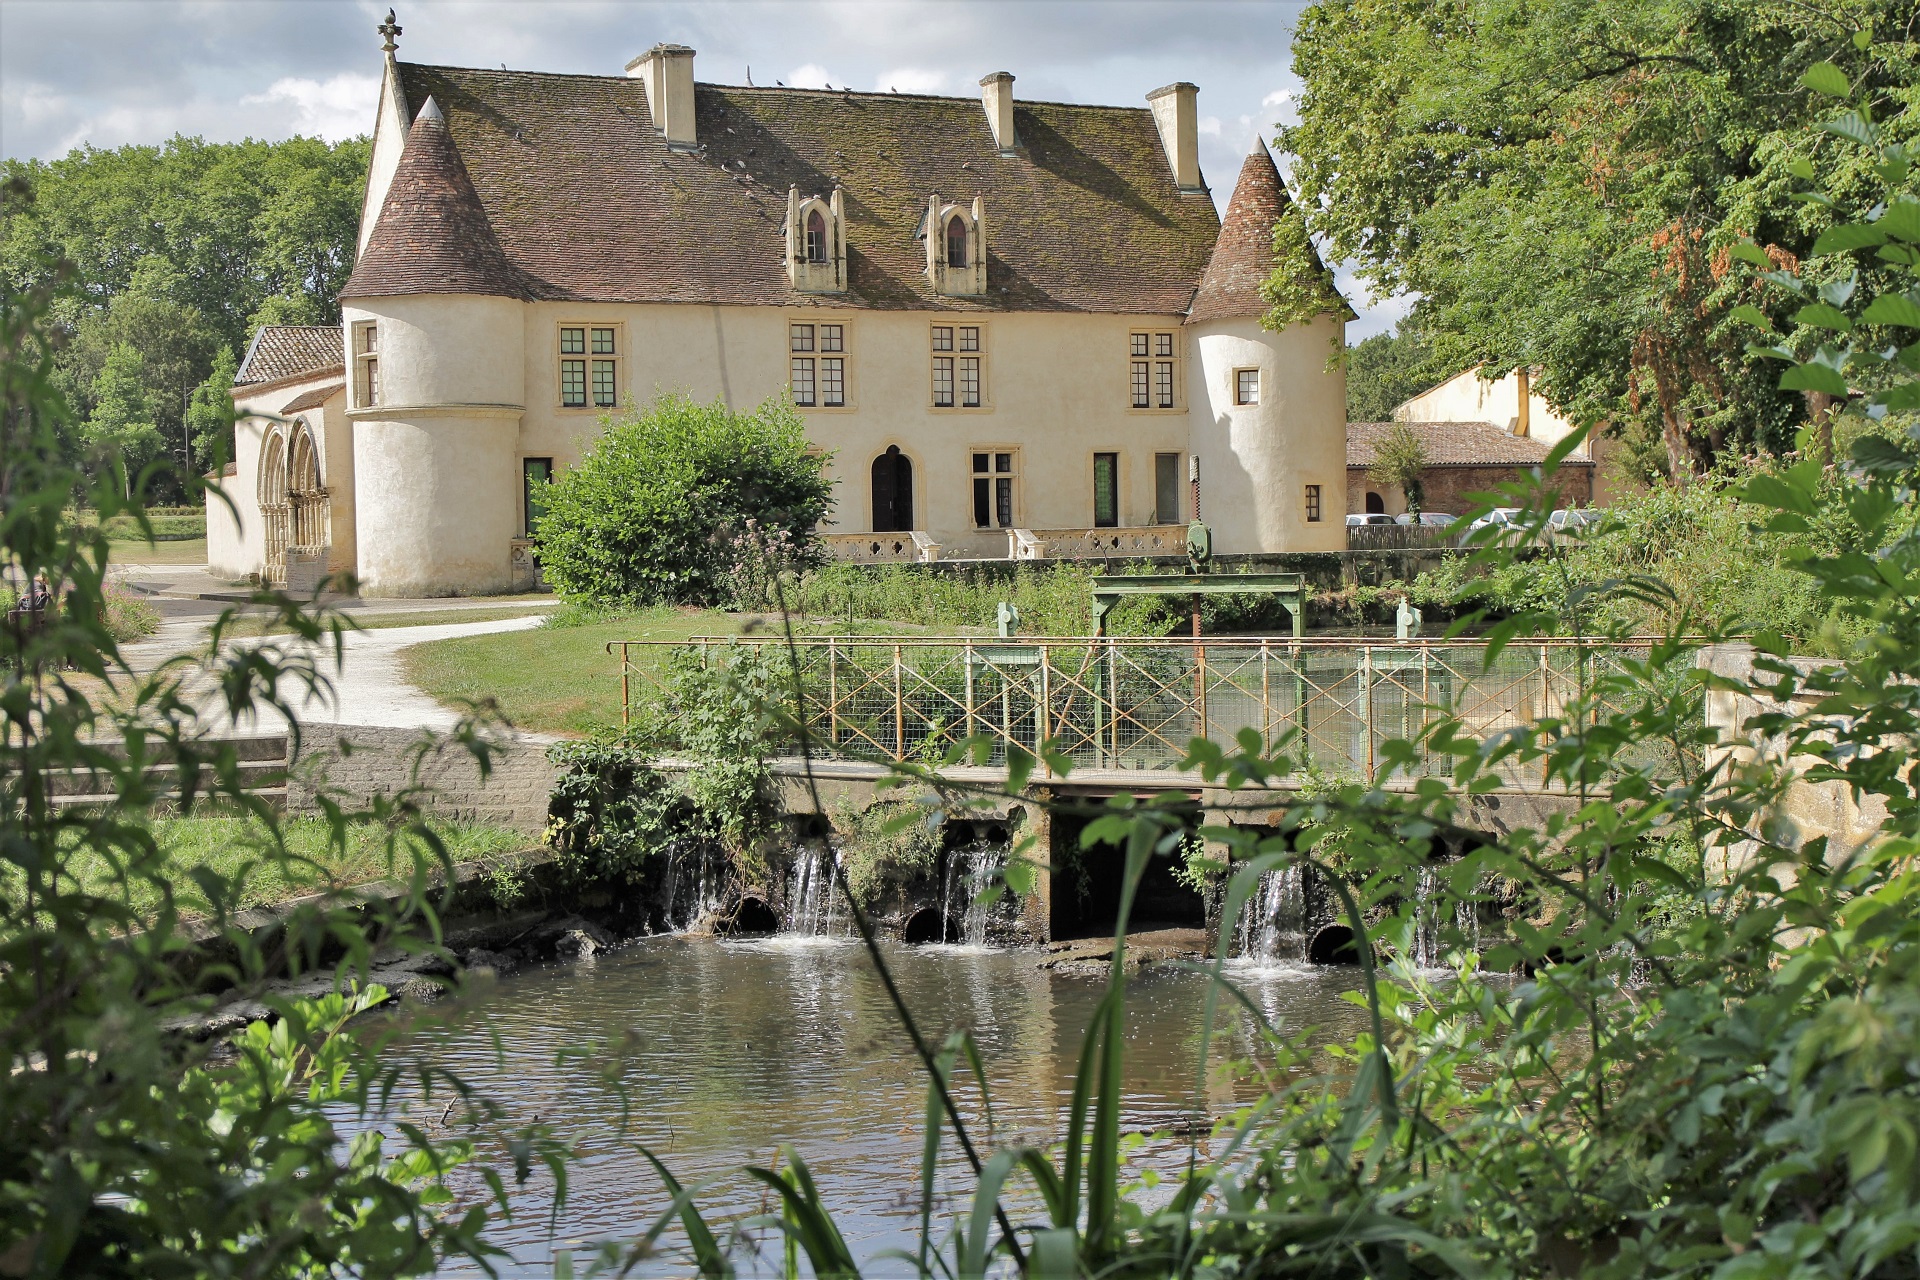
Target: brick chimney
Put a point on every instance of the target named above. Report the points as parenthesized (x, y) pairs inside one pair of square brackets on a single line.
[(1175, 114), (667, 72)]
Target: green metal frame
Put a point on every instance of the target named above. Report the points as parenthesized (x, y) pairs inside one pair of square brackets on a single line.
[(1109, 589)]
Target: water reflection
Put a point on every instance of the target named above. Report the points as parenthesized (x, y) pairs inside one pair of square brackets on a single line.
[(726, 1050)]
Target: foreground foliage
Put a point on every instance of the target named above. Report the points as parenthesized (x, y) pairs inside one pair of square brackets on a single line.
[(129, 1148)]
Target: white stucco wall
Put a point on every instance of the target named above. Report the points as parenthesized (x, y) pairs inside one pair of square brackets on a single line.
[(1466, 398), (1055, 391), (471, 388), (1256, 460)]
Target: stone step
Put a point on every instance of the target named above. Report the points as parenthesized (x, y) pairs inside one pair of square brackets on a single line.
[(164, 778)]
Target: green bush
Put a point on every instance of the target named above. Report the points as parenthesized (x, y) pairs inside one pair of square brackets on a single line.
[(676, 503)]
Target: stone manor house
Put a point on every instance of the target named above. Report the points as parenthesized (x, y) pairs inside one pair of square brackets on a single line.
[(1019, 328)]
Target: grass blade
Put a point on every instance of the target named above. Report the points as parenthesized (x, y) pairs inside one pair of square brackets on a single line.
[(975, 1249), (706, 1249)]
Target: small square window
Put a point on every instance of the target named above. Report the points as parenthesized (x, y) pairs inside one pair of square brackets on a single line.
[(942, 337), (802, 337), (1003, 463), (603, 342), (1139, 344), (1246, 386), (980, 461), (1163, 344), (969, 338), (832, 337), (1313, 504), (573, 342)]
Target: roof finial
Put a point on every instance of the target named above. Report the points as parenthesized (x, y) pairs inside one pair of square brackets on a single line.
[(389, 29)]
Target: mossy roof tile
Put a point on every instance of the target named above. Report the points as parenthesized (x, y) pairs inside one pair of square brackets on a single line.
[(588, 203)]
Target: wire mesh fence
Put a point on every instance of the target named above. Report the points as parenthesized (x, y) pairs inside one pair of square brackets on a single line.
[(1136, 704)]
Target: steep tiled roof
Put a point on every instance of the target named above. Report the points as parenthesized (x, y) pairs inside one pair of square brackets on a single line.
[(588, 201), (1243, 256), (1454, 444), (432, 236), (289, 350)]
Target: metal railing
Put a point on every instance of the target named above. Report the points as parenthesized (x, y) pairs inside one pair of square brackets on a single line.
[(1135, 704)]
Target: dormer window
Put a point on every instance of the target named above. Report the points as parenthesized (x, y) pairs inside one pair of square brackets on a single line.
[(956, 242), (816, 236)]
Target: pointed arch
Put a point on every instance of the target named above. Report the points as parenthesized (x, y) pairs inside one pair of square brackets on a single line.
[(957, 236)]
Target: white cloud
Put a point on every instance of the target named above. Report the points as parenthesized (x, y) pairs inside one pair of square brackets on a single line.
[(911, 80), (340, 106), (1278, 98), (810, 76), (1210, 125)]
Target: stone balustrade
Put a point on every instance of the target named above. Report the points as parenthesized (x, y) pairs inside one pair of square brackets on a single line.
[(910, 547)]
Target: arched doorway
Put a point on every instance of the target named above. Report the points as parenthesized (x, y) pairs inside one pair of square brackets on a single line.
[(1376, 505), (275, 510), (307, 496), (892, 492), (294, 509)]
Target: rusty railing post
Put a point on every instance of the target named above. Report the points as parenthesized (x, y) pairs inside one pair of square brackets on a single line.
[(1546, 686), (899, 710), (626, 692), (833, 693), (1200, 685), (1266, 697), (1365, 676), (1043, 713), (966, 656)]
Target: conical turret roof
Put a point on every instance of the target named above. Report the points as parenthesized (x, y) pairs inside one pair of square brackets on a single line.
[(1243, 254), (433, 235)]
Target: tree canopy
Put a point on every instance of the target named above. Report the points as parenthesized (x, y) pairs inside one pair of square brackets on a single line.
[(1561, 184), (175, 253), (1386, 370)]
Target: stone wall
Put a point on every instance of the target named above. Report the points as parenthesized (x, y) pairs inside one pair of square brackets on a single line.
[(1809, 809), (356, 762)]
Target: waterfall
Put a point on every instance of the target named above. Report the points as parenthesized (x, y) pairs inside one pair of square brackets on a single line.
[(984, 864), (694, 888), (1431, 919), (810, 896), (970, 870), (1274, 925)]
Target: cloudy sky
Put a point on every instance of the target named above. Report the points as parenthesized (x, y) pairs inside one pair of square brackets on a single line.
[(107, 72)]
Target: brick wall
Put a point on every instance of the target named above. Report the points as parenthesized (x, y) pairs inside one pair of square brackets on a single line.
[(356, 762)]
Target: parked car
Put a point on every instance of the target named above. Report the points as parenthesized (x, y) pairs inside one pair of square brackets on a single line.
[(1505, 516), (1428, 519), (1372, 517), (1573, 523)]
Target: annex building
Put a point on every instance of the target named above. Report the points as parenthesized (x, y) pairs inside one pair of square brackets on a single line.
[(1019, 328)]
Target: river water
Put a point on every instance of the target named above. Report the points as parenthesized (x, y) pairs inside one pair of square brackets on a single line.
[(726, 1050)]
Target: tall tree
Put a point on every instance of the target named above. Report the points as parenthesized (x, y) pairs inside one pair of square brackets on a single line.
[(1385, 370), (1562, 181), (121, 427)]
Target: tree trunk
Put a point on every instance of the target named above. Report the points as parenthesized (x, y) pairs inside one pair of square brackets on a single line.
[(1822, 408), (1673, 432)]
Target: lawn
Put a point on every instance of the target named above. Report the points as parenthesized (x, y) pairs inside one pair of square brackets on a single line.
[(561, 679), (551, 679), (230, 846), (189, 551)]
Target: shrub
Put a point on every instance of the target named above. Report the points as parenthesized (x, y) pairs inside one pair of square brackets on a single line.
[(665, 504)]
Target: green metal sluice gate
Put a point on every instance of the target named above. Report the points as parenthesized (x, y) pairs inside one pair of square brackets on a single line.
[(1133, 704)]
